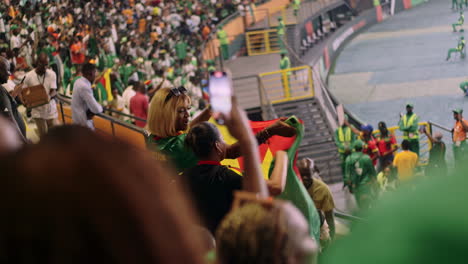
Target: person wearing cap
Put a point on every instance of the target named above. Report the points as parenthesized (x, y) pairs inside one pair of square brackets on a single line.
[(459, 49), (436, 165), (459, 137), (360, 176), (405, 162), (464, 87), (408, 124), (459, 23), (280, 31), (370, 145), (223, 42), (344, 139), (320, 194)]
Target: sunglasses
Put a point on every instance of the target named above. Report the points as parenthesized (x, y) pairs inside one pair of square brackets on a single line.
[(175, 92)]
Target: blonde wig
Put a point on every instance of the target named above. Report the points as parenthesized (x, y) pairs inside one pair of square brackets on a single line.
[(162, 115)]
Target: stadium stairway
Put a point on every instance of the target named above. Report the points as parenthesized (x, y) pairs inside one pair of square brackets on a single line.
[(318, 143)]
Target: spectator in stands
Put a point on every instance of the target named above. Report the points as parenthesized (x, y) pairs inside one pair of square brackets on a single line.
[(405, 162), (436, 165), (265, 233), (168, 119), (8, 106), (459, 138), (370, 144), (386, 179), (83, 201), (409, 126), (360, 176), (387, 145), (128, 94), (213, 184), (84, 105), (117, 104), (139, 104), (45, 116), (321, 195)]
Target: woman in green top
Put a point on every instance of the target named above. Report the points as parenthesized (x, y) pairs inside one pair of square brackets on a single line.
[(169, 120)]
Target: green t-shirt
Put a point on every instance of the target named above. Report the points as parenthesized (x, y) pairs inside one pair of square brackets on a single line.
[(174, 149), (181, 50)]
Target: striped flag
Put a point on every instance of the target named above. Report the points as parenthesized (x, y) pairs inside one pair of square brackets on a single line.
[(294, 191)]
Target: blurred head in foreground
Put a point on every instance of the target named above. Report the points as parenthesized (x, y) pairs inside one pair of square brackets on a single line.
[(256, 234), (77, 197)]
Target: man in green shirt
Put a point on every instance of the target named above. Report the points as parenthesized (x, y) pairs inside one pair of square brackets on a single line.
[(344, 139), (285, 64), (223, 42), (459, 23), (296, 5), (280, 31), (360, 176), (459, 49), (181, 50), (408, 124)]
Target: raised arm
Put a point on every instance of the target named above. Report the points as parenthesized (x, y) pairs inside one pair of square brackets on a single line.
[(354, 129), (279, 128), (277, 180), (238, 126), (202, 117)]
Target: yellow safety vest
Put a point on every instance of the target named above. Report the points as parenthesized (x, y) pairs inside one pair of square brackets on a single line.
[(407, 123), (344, 137)]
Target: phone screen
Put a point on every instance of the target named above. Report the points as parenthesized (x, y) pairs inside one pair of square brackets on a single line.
[(220, 90)]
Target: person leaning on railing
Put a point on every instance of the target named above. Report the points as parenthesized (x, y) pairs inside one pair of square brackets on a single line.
[(169, 119)]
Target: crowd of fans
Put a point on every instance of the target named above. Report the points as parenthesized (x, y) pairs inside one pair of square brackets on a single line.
[(69, 198), (134, 44), (372, 165)]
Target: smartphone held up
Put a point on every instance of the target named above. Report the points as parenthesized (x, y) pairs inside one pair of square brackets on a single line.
[(220, 91)]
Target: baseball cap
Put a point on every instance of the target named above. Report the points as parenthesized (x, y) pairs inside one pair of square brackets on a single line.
[(458, 110), (367, 128), (410, 105)]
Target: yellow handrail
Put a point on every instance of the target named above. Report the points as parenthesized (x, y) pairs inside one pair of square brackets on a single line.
[(289, 84)]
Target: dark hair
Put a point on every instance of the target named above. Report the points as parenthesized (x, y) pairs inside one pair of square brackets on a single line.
[(88, 68), (83, 207), (405, 144), (201, 139), (383, 127)]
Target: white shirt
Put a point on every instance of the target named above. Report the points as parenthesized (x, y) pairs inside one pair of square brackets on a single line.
[(49, 81), (15, 41), (127, 95), (82, 101)]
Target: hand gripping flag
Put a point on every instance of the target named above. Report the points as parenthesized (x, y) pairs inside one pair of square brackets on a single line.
[(294, 191)]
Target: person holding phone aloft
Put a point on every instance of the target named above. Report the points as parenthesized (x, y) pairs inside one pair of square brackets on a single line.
[(169, 120)]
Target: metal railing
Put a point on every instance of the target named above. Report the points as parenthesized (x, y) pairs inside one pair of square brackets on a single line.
[(261, 42), (106, 125), (289, 84)]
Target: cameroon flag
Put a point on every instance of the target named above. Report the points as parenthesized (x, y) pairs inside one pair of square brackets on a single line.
[(103, 91), (294, 191)]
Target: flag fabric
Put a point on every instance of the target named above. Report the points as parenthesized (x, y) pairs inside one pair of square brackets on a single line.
[(103, 91), (294, 191)]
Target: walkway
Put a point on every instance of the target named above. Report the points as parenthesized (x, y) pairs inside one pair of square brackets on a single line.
[(403, 60)]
